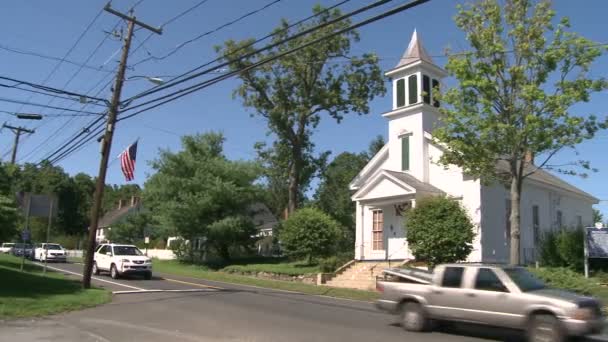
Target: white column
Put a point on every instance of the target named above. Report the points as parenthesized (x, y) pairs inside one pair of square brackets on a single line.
[(359, 231)]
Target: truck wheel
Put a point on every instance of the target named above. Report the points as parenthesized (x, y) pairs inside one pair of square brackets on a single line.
[(413, 317), (113, 272), (95, 269), (545, 328)]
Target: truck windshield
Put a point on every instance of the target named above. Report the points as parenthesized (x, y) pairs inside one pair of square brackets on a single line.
[(525, 280)]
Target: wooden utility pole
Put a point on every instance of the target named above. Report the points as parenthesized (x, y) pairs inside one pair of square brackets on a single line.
[(18, 131), (106, 142)]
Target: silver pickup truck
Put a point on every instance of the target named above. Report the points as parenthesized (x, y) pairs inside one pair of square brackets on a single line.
[(496, 295)]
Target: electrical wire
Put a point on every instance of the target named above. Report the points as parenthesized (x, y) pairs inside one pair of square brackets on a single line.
[(26, 103), (189, 41), (48, 89)]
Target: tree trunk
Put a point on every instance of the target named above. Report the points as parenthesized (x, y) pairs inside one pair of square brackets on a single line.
[(515, 193), (294, 186)]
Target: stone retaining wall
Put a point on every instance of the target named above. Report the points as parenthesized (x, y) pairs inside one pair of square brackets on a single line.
[(306, 278)]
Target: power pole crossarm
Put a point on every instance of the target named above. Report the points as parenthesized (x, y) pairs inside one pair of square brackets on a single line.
[(106, 142), (17, 131)]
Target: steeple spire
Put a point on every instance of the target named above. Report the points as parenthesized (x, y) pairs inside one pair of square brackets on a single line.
[(415, 52)]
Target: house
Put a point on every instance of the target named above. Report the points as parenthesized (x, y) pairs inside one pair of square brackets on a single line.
[(124, 209), (406, 170)]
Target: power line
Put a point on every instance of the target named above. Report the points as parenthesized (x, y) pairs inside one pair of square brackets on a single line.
[(53, 115), (26, 103), (184, 13), (52, 58), (272, 34), (189, 41), (326, 10), (250, 54), (46, 88)]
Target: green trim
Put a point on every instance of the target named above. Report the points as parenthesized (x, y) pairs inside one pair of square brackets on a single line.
[(405, 153)]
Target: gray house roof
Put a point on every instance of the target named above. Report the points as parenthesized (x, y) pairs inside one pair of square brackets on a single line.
[(263, 217), (118, 215), (414, 182)]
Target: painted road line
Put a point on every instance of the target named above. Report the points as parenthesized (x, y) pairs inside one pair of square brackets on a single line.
[(95, 278), (193, 284), (159, 290)]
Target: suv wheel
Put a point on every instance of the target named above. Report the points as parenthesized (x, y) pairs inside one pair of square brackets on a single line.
[(413, 317), (545, 328), (113, 272), (95, 269)]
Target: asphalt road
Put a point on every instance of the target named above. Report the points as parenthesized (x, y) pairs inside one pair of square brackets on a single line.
[(195, 310)]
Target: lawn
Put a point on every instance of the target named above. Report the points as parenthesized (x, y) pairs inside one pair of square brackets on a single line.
[(177, 268), (288, 268), (30, 293)]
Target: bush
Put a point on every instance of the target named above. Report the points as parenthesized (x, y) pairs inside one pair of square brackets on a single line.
[(69, 241), (309, 233), (331, 264), (563, 249), (439, 230), (564, 278)]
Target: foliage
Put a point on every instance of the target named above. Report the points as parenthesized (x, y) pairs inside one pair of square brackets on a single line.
[(114, 193), (30, 294), (231, 232), (333, 195), (375, 146), (198, 272), (515, 94), (565, 278), (597, 216), (9, 219), (439, 230), (198, 187), (309, 233), (293, 92), (288, 268), (563, 248), (332, 263), (133, 230), (69, 241)]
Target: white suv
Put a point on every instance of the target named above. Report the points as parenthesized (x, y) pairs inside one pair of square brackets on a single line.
[(121, 259), (50, 252)]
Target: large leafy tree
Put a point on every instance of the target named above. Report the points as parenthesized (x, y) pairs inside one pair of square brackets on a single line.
[(197, 189), (133, 229), (597, 216), (293, 92), (515, 94)]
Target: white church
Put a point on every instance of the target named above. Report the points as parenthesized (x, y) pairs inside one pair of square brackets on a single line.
[(406, 169)]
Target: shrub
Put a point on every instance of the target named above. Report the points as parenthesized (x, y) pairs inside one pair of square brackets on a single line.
[(332, 263), (309, 233), (564, 278), (69, 241), (563, 249), (439, 230)]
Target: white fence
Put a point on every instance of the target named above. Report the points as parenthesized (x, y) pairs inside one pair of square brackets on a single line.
[(162, 254)]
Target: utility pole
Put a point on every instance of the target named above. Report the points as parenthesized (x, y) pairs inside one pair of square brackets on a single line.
[(18, 131), (106, 142)]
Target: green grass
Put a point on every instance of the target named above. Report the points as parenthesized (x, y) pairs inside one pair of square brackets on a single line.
[(177, 268), (292, 268), (30, 293)]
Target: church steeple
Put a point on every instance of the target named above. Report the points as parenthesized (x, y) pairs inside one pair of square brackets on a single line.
[(415, 52)]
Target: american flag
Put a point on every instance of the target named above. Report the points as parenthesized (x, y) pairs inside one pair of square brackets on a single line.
[(127, 161)]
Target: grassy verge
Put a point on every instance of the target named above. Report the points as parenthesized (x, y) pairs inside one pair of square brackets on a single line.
[(293, 268), (567, 279), (29, 293), (177, 268)]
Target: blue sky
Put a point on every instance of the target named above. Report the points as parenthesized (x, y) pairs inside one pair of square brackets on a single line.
[(51, 27)]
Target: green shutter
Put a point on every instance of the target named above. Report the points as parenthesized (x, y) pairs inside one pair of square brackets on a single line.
[(401, 93), (405, 153), (413, 89)]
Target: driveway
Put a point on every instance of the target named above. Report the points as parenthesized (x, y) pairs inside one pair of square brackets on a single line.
[(184, 309)]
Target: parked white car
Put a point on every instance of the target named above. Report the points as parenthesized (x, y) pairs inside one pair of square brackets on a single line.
[(50, 252), (121, 259), (6, 248)]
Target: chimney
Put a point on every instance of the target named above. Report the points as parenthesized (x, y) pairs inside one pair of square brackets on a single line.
[(122, 203), (134, 200), (529, 157)]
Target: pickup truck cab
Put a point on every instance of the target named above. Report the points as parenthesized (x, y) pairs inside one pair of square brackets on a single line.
[(495, 295)]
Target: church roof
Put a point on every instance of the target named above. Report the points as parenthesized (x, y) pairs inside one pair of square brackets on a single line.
[(414, 182), (415, 52)]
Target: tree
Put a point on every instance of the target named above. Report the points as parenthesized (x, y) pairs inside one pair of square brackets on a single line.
[(198, 187), (515, 93), (132, 230), (309, 233), (291, 93), (597, 216), (333, 195), (375, 146), (231, 232), (439, 230), (9, 218)]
